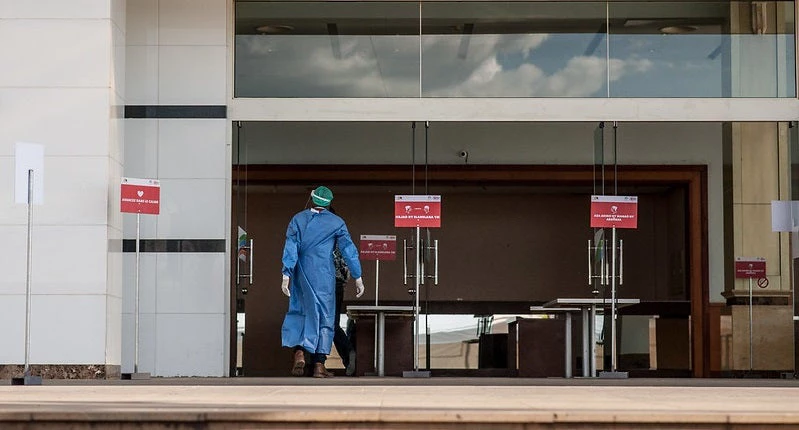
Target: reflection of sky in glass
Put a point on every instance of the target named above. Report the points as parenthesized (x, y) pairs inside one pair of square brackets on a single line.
[(322, 66), (516, 65), (681, 65), (706, 65)]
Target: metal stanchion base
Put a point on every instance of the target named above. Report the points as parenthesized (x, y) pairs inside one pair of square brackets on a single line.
[(416, 374), (27, 380), (136, 376), (614, 375)]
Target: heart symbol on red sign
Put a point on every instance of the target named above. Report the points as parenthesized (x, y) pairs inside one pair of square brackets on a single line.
[(140, 193)]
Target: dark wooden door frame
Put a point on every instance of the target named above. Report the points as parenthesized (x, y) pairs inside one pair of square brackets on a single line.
[(693, 177)]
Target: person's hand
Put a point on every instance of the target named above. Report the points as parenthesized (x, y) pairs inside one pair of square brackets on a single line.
[(285, 286), (359, 287)]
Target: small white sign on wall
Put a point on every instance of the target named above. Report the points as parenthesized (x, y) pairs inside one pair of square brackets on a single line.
[(29, 156)]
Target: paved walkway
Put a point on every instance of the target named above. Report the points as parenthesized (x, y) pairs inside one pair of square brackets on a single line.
[(397, 403)]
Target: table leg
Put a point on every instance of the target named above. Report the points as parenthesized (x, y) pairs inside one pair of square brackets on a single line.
[(381, 322), (568, 344), (586, 343)]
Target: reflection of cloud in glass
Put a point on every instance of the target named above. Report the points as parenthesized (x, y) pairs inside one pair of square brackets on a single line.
[(483, 73), (582, 77), (310, 66), (387, 66)]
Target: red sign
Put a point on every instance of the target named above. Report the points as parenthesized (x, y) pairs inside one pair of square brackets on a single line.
[(750, 267), (614, 211), (417, 211), (378, 247), (141, 196)]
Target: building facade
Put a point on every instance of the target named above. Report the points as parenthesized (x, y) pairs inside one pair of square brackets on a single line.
[(239, 108)]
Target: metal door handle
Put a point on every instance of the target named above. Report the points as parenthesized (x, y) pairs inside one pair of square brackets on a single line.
[(435, 278), (404, 262), (621, 261), (252, 254), (422, 261), (590, 272), (238, 265)]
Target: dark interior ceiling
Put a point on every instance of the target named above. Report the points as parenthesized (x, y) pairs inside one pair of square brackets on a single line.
[(393, 18)]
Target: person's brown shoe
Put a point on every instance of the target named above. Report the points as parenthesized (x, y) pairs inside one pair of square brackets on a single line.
[(299, 363), (319, 371)]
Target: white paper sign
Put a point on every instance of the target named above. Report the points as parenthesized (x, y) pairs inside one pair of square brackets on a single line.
[(784, 215), (29, 156)]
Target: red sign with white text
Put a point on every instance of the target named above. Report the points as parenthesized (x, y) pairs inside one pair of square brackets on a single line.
[(750, 267), (417, 211), (141, 196), (614, 211), (375, 247)]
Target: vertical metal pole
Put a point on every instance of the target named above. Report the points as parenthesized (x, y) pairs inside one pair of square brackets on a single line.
[(378, 347), (416, 307), (751, 325), (613, 302), (136, 303), (26, 370), (591, 323), (586, 342), (381, 360), (377, 280)]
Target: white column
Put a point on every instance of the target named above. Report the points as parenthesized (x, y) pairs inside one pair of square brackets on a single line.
[(63, 87), (177, 56)]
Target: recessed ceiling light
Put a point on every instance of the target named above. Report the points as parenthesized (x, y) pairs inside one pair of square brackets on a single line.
[(678, 29), (274, 29), (638, 22)]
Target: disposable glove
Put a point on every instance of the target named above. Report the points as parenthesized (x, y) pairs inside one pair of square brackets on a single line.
[(359, 287), (285, 286)]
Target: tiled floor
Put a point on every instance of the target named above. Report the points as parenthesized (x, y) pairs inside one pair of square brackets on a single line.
[(394, 402)]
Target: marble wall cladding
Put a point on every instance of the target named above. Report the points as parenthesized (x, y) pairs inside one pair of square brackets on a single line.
[(759, 162), (772, 340), (62, 371)]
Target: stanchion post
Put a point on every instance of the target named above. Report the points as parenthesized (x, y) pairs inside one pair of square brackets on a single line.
[(377, 323), (614, 366), (27, 378), (751, 366), (377, 281), (416, 300), (28, 179), (416, 373), (136, 300)]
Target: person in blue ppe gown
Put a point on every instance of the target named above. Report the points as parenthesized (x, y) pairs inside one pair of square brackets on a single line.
[(309, 280)]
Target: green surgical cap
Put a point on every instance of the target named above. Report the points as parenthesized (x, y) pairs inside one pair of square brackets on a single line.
[(322, 196)]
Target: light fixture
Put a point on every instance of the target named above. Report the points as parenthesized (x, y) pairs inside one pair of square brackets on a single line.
[(678, 29), (274, 29)]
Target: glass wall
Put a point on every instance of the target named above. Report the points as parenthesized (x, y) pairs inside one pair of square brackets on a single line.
[(515, 49), (303, 49), (702, 49)]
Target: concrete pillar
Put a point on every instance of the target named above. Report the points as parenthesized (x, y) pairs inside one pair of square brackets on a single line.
[(62, 86)]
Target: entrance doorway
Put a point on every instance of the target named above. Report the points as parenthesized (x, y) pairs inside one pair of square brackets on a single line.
[(512, 236)]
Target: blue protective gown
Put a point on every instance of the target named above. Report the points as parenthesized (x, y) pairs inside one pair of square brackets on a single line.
[(308, 262)]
